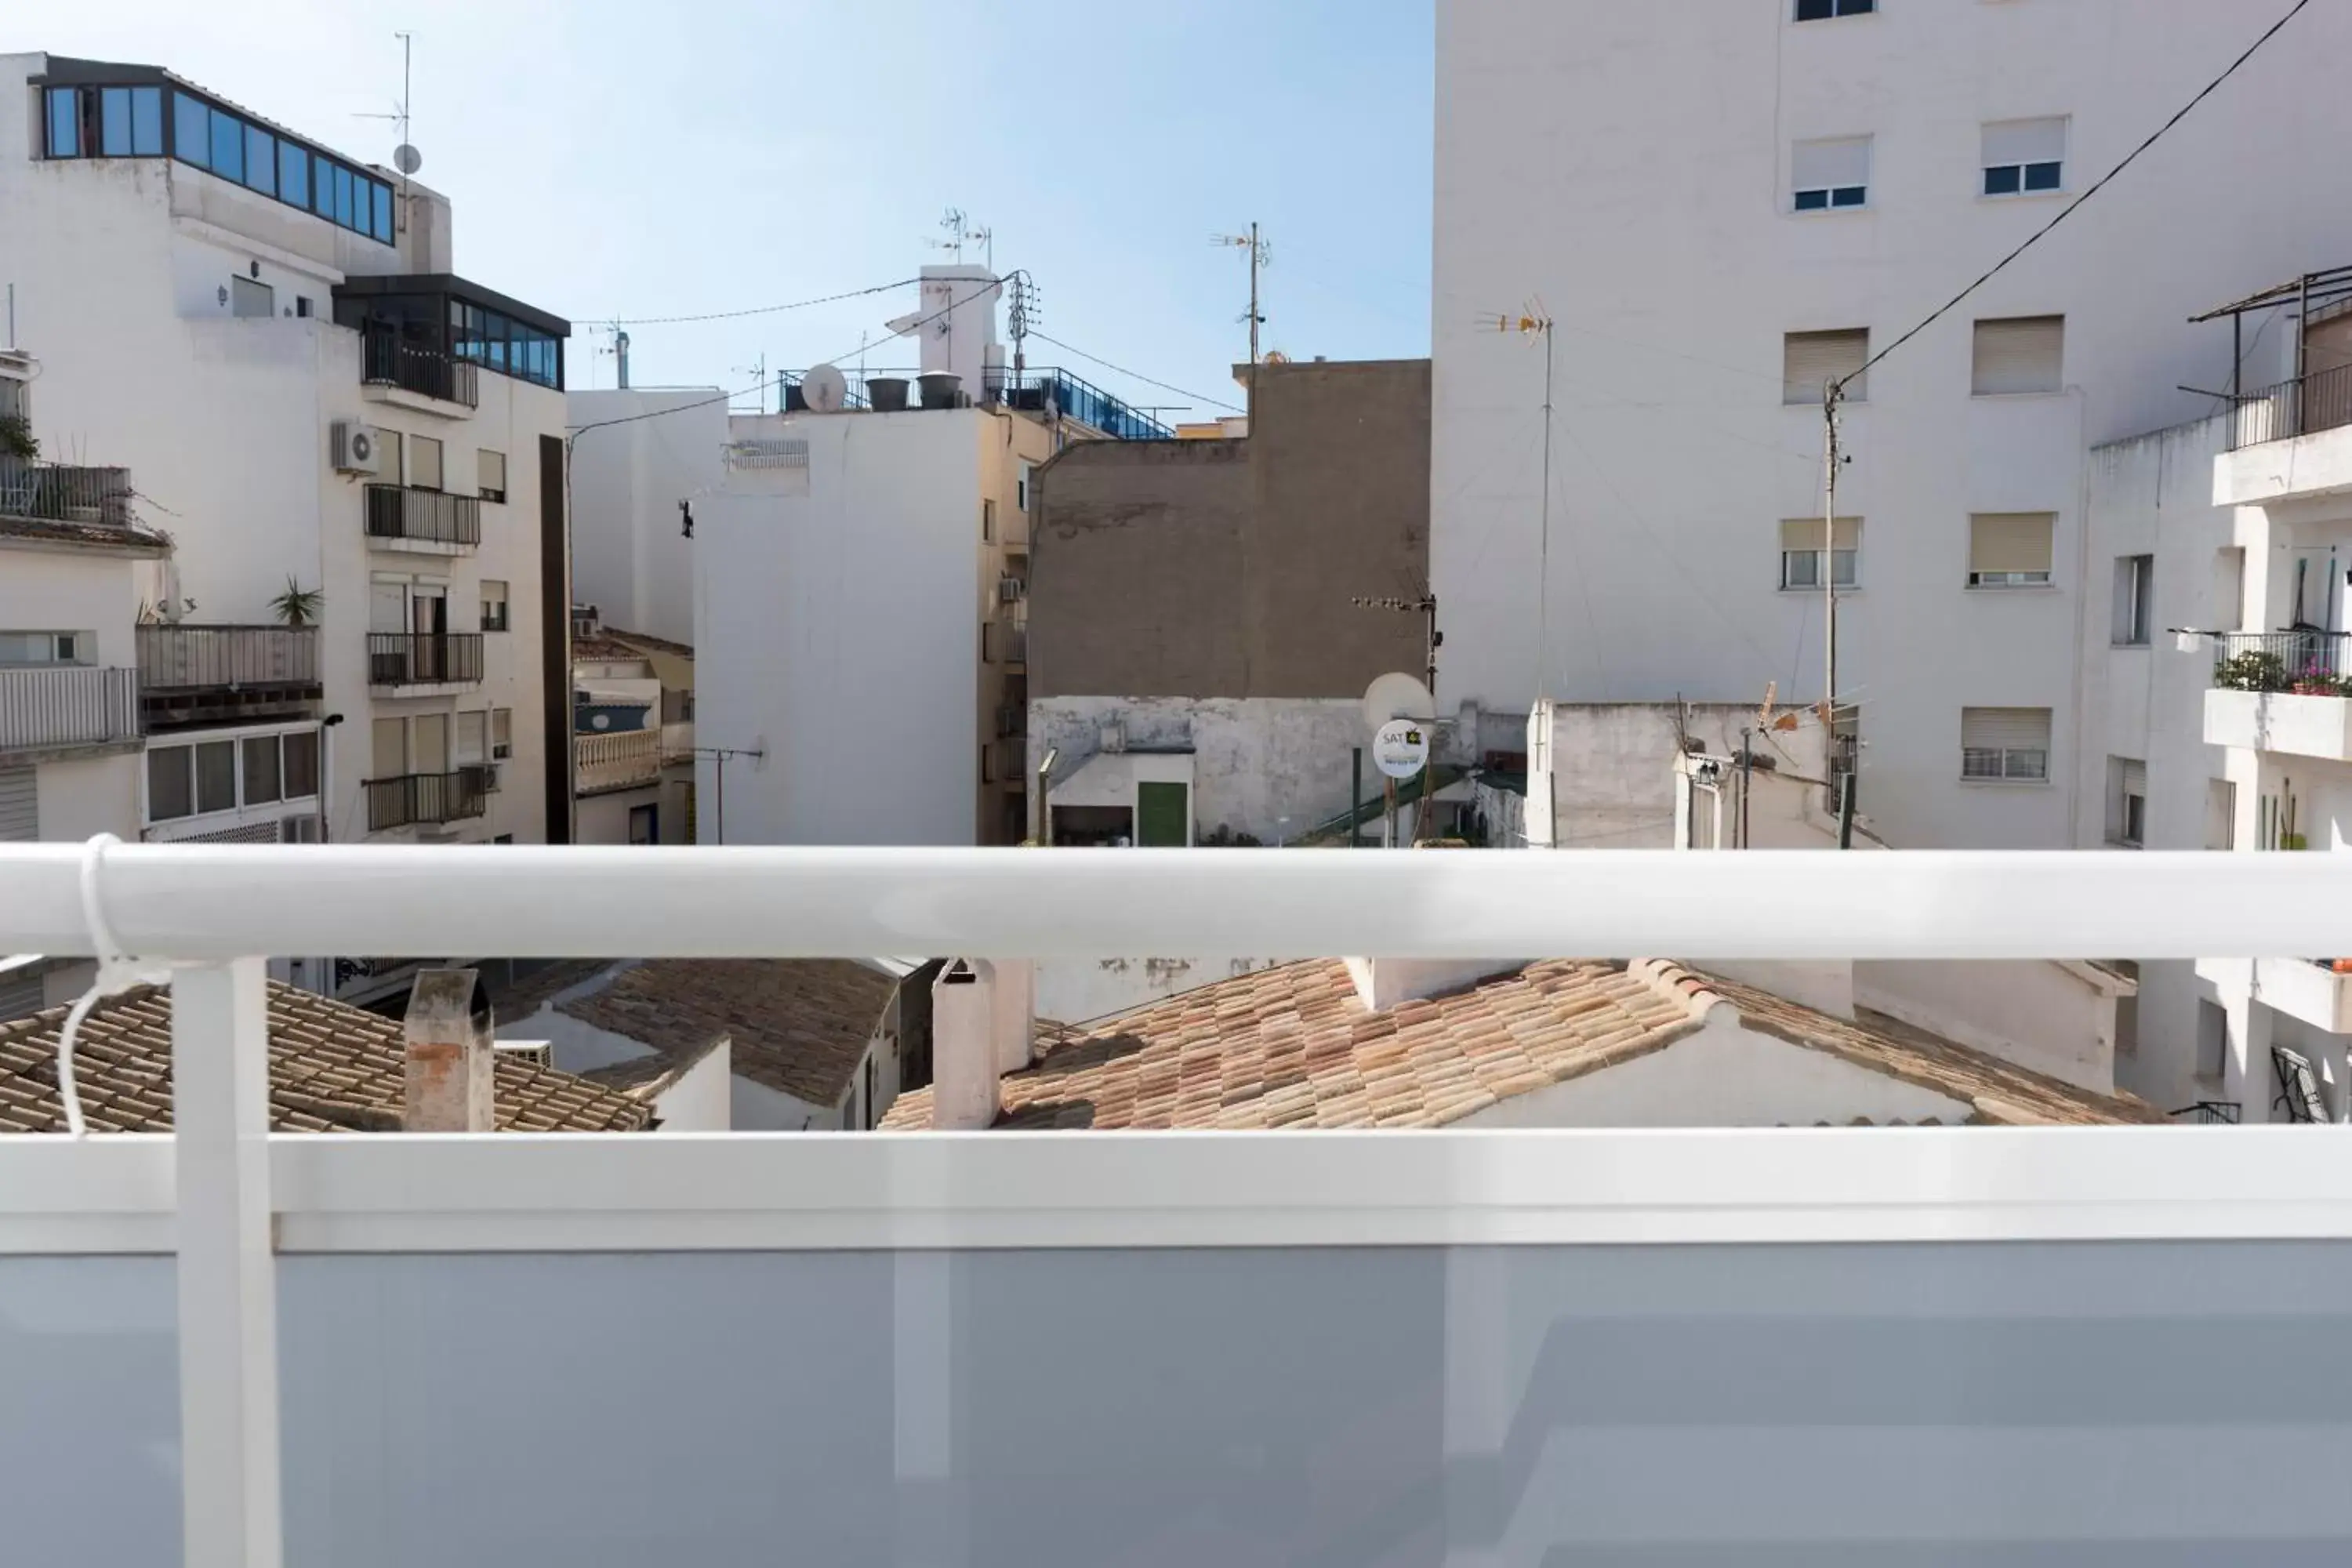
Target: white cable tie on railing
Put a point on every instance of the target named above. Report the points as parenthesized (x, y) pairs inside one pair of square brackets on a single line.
[(116, 972)]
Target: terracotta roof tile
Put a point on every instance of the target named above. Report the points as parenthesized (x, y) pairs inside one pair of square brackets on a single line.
[(799, 1026), (332, 1067), (1295, 1046)]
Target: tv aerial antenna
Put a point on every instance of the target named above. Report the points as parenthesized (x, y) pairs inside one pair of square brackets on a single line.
[(962, 231)]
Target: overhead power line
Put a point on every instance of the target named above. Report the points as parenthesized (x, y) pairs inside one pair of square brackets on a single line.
[(2068, 211), (760, 309), (1137, 375)]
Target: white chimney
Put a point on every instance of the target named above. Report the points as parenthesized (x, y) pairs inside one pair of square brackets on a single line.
[(450, 1051), (1382, 982), (1013, 1017), (964, 1068)]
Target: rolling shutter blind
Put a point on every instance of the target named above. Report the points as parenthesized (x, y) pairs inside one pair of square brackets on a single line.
[(2005, 729), (1805, 533), (2024, 355), (2025, 141), (2011, 541), (1810, 359), (2134, 778), (20, 820), (1817, 165)]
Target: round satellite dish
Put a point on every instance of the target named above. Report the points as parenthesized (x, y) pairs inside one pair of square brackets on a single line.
[(824, 389), (1401, 749), (1397, 695), (408, 159)]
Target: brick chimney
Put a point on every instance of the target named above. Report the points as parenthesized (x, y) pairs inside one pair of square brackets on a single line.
[(964, 1050), (450, 1051)]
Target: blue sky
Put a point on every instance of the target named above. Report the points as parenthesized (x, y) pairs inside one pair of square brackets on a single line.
[(611, 159)]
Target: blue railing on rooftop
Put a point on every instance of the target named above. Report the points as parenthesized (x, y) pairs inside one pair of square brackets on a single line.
[(1047, 391)]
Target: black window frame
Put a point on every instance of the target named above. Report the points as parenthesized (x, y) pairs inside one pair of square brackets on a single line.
[(1833, 10)]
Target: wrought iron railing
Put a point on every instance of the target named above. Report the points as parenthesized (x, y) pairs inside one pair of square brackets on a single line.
[(60, 492), (1049, 391), (413, 799), (435, 517), (424, 659), (2321, 400), (1012, 635), (67, 705), (181, 657), (2305, 661), (386, 361)]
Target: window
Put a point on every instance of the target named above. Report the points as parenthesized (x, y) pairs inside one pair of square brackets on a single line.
[(987, 763), (1811, 361), (987, 642), (988, 521), (48, 647), (490, 475), (261, 160), (2007, 743), (2135, 600), (2229, 612), (424, 463), (65, 122), (389, 448), (2011, 549), (644, 825), (301, 763), (169, 794), (293, 174), (262, 783), (380, 214), (2212, 1040), (322, 185), (473, 731), (227, 147), (502, 733), (2024, 157), (1800, 552), (390, 756), (216, 776), (302, 307), (2220, 815), (104, 122), (192, 132), (250, 298), (494, 605), (1021, 488), (2025, 353), (1828, 175), (2126, 802), (1822, 10)]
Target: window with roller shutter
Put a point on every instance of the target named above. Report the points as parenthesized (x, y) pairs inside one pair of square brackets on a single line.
[(2024, 157), (1811, 361), (2011, 549), (20, 818), (2126, 802), (1830, 175), (1801, 553), (2021, 353), (2007, 745)]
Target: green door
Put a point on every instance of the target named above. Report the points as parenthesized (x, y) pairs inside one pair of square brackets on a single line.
[(1166, 812)]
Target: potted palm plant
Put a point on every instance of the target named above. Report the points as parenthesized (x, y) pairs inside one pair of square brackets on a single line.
[(297, 606)]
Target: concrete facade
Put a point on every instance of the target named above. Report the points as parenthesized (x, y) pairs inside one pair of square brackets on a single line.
[(636, 457), (1226, 568), (1659, 226)]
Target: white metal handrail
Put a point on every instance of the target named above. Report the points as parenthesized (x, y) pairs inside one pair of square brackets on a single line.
[(222, 901)]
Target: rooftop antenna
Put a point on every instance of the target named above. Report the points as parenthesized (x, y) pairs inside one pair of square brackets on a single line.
[(405, 157), (1261, 256), (960, 232), (1021, 313), (758, 371)]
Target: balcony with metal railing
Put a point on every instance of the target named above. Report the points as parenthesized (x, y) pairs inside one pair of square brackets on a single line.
[(1702, 1346), (413, 800), (2287, 691), (216, 673), (401, 661), (630, 759), (432, 382), (401, 517), (62, 707), (63, 492)]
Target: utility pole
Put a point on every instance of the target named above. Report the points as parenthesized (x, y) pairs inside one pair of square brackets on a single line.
[(721, 754), (1832, 393), (1261, 255), (1533, 323)]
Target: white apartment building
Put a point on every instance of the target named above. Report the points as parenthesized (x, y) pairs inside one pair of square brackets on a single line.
[(1720, 204), (860, 585), (2216, 675), (269, 335)]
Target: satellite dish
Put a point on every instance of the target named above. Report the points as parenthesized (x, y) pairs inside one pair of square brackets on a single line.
[(824, 389), (408, 159), (1397, 695)]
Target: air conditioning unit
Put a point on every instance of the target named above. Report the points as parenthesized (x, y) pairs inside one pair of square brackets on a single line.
[(355, 446)]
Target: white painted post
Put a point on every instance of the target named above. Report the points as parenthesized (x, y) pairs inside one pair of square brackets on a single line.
[(228, 1289)]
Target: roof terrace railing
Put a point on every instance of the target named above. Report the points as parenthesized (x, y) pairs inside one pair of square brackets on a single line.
[(1419, 1255)]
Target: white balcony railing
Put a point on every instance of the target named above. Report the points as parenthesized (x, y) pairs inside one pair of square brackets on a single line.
[(678, 741), (382, 1349), (624, 761), (62, 705)]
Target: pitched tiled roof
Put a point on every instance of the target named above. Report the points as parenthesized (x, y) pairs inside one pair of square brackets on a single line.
[(84, 535), (598, 648), (799, 1026), (659, 645), (1296, 1048), (331, 1069)]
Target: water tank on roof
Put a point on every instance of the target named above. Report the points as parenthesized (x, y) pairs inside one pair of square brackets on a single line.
[(941, 389), (885, 393)]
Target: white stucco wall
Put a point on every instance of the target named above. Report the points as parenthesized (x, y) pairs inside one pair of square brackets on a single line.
[(836, 628), (1725, 1076), (629, 555), (605, 818), (700, 1100), (1662, 242), (2039, 1015), (1612, 766)]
